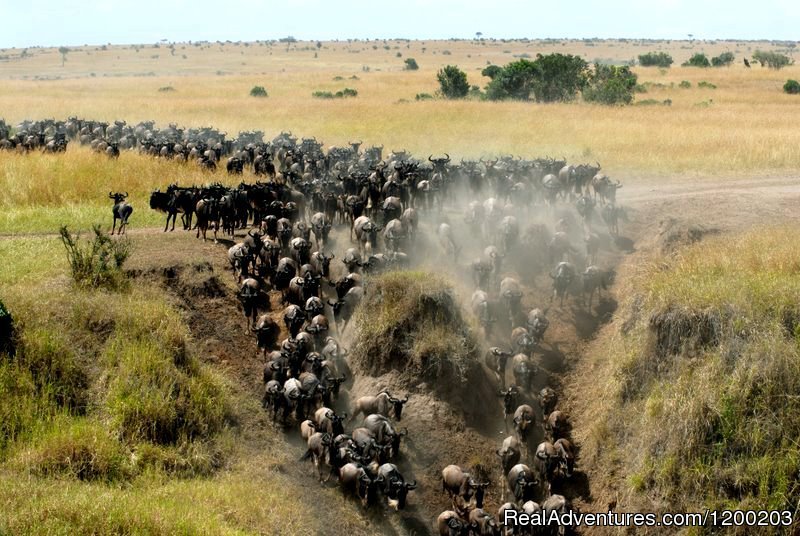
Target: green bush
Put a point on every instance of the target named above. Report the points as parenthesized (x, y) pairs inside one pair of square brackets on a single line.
[(610, 84), (491, 71), (706, 85), (685, 84), (411, 64), (550, 78), (423, 96), (453, 82), (258, 91), (655, 59), (346, 92), (97, 263), (792, 87), (723, 60), (697, 60), (773, 60)]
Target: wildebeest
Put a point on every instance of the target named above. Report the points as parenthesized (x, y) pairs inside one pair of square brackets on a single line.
[(343, 309), (496, 360), (522, 482), (450, 524), (547, 400), (459, 483), (563, 276), (395, 488), (121, 211), (382, 404), (556, 424), (510, 453), (483, 523), (354, 478), (594, 279), (366, 234), (566, 456), (524, 420), (546, 462)]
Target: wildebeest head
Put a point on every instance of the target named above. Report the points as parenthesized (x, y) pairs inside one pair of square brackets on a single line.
[(525, 487), (397, 406), (398, 491), (117, 196), (509, 399)]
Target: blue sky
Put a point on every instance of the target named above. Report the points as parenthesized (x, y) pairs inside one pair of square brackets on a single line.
[(72, 22)]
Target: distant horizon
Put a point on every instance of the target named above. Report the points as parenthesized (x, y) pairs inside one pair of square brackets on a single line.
[(423, 39), (53, 23)]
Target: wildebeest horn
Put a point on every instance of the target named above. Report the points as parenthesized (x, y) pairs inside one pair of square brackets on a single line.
[(406, 398), (598, 164), (448, 157), (110, 195)]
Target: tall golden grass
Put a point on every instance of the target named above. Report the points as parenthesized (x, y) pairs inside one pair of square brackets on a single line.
[(745, 126)]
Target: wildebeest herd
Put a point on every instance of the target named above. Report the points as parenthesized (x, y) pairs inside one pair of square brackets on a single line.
[(521, 216)]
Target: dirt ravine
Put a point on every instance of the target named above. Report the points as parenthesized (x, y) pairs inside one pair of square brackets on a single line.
[(437, 433)]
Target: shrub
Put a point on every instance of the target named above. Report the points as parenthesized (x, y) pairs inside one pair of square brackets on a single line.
[(791, 86), (411, 64), (258, 91), (424, 96), (164, 89), (655, 59), (514, 81), (723, 60), (491, 71), (773, 60), (610, 84), (346, 92), (550, 78), (697, 60), (685, 84), (97, 263), (706, 85), (453, 82)]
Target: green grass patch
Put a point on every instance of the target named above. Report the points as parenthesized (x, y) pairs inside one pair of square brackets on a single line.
[(700, 380)]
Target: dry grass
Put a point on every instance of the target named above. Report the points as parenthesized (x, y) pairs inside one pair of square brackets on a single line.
[(748, 128), (711, 421)]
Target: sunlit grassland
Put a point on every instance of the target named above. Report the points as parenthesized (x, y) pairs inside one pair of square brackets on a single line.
[(745, 126), (87, 407), (689, 397)]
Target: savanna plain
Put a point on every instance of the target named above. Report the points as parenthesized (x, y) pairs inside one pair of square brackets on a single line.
[(136, 408)]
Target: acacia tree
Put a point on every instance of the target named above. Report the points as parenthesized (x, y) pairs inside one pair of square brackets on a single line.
[(64, 51), (550, 78), (453, 82)]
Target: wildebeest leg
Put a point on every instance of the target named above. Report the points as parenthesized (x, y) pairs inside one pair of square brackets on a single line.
[(114, 226)]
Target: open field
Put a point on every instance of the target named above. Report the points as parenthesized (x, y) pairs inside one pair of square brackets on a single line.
[(745, 125)]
